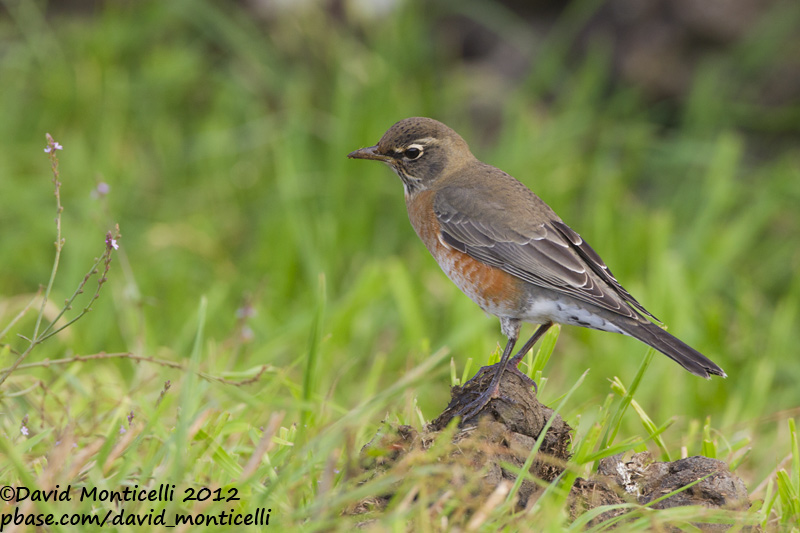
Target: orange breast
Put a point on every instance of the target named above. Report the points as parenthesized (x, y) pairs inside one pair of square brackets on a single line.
[(496, 291)]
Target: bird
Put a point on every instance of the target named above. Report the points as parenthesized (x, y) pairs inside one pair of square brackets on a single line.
[(507, 250)]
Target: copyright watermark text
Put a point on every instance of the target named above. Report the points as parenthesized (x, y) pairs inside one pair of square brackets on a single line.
[(119, 515)]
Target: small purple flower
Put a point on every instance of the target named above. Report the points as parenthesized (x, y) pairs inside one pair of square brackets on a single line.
[(246, 311), (101, 190), (111, 242), (122, 430), (24, 430), (246, 334), (55, 146)]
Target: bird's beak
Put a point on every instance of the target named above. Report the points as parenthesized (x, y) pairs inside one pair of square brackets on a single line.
[(368, 153)]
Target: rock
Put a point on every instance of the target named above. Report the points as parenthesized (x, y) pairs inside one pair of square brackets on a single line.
[(505, 431)]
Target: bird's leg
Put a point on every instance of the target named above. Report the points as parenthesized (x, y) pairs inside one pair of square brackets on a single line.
[(513, 367), (492, 391), (541, 330), (517, 359), (472, 408)]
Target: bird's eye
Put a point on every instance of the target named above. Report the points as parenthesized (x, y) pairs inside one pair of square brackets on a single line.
[(412, 153)]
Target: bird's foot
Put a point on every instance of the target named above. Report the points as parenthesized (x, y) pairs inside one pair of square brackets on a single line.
[(474, 407), (510, 368), (525, 378)]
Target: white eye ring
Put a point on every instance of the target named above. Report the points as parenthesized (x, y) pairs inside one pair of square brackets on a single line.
[(414, 151)]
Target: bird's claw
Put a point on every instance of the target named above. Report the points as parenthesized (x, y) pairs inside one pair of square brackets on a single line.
[(525, 377), (510, 368), (475, 406)]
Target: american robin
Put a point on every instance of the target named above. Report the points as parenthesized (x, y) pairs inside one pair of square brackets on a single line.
[(508, 251)]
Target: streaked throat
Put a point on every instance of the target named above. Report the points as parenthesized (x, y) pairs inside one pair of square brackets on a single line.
[(411, 184)]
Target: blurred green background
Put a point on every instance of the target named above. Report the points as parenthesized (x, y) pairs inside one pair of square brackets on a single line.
[(222, 130)]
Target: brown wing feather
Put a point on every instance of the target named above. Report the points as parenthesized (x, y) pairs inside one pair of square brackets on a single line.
[(598, 265), (544, 253)]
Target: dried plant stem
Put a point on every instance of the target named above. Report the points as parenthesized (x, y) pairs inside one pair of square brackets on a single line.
[(48, 331), (128, 355), (40, 335), (51, 144)]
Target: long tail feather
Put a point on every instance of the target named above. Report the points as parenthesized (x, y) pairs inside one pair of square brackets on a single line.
[(675, 349)]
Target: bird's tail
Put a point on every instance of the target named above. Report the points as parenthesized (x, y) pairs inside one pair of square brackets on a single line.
[(675, 349)]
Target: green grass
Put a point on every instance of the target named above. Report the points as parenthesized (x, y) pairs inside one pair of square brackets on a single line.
[(279, 289)]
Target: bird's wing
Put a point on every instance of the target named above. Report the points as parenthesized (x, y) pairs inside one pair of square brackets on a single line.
[(541, 249)]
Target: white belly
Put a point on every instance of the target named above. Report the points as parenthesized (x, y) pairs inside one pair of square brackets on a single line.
[(540, 310)]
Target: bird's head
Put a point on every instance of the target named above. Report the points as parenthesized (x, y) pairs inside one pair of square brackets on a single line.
[(420, 150)]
